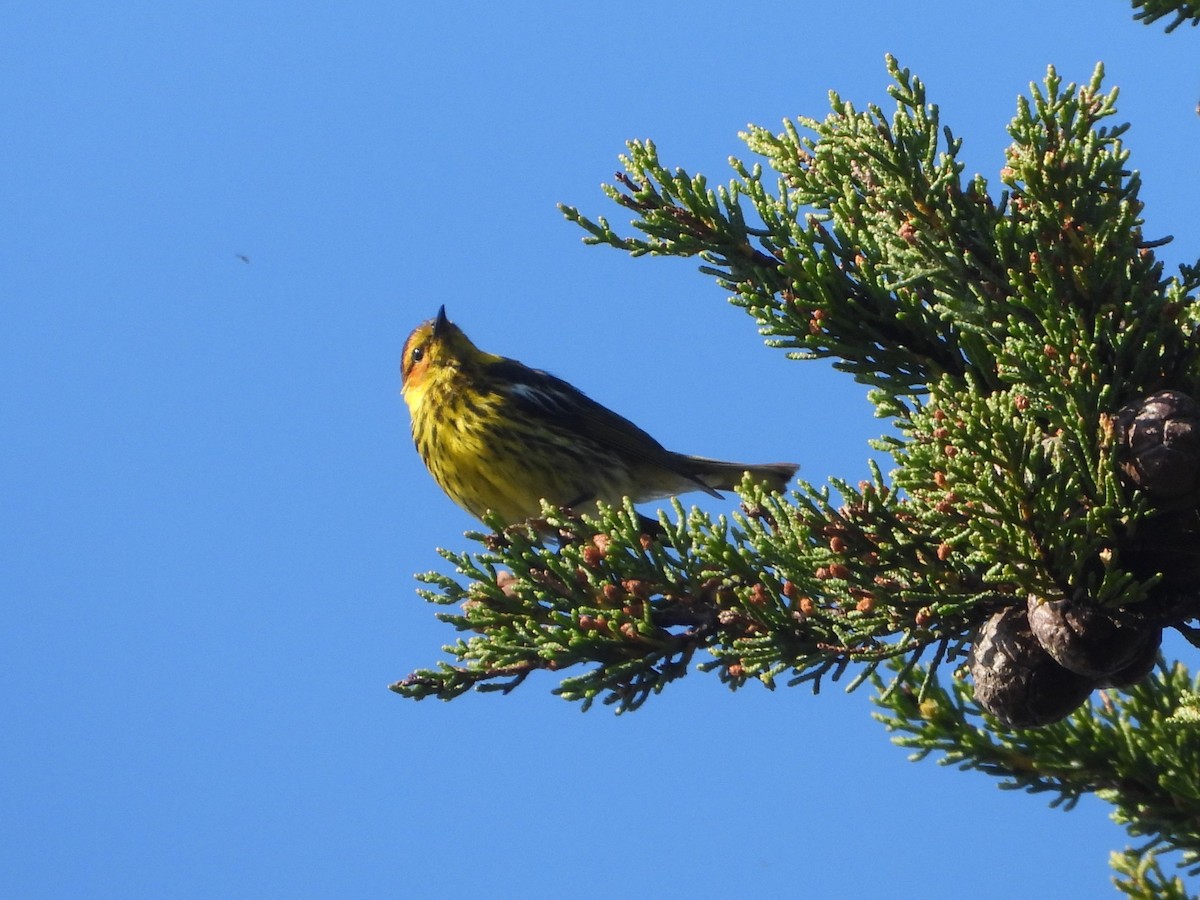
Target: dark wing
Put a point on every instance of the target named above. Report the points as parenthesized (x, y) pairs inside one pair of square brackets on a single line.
[(564, 406)]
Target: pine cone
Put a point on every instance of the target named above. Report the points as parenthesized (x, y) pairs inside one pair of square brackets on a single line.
[(1087, 639), (1139, 667), (1160, 447), (1016, 680)]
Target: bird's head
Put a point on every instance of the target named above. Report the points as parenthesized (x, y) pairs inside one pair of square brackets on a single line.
[(435, 347)]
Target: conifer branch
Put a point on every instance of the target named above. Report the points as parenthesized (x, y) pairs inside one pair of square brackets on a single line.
[(1002, 334), (1038, 365), (1150, 11), (1138, 750)]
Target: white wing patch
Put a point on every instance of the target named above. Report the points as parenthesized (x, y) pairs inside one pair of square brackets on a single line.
[(551, 402)]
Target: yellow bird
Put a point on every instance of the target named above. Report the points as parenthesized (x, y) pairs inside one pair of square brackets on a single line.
[(497, 435)]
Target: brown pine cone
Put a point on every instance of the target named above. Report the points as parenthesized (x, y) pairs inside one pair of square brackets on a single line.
[(1160, 447), (1137, 668), (1016, 680), (1087, 639)]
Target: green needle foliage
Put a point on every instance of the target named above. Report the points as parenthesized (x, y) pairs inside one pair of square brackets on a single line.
[(1001, 332), (1139, 751), (1181, 11)]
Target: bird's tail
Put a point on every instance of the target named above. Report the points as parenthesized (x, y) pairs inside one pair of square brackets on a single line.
[(726, 476)]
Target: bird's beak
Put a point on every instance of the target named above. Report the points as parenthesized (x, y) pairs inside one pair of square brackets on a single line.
[(441, 323)]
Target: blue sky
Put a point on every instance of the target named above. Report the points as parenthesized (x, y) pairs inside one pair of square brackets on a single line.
[(213, 510)]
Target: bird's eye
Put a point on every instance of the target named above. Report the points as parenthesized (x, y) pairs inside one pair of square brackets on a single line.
[(417, 354)]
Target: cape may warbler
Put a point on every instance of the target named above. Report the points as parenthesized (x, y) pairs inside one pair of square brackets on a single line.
[(500, 436)]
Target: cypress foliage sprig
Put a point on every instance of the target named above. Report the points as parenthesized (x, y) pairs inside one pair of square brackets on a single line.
[(876, 254), (1140, 876), (1138, 750), (808, 588), (1150, 11)]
